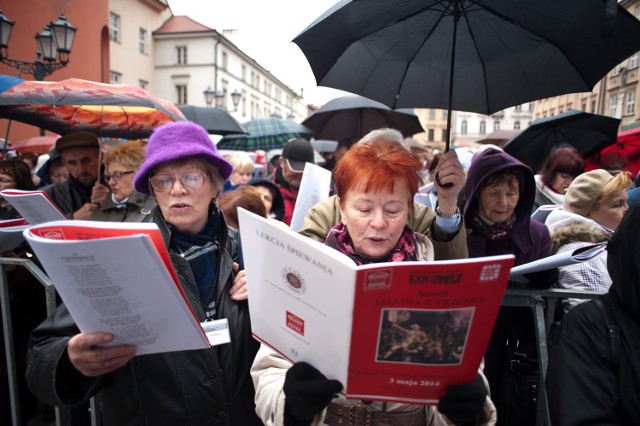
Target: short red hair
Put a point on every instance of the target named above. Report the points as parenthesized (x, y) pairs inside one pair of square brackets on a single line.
[(377, 165)]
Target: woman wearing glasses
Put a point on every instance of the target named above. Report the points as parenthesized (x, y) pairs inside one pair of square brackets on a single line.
[(123, 203), (184, 173)]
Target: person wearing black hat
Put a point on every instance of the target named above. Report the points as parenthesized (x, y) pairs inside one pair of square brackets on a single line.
[(288, 175), (271, 196), (81, 194)]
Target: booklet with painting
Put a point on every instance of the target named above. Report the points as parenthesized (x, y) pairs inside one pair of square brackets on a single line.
[(118, 278), (387, 331)]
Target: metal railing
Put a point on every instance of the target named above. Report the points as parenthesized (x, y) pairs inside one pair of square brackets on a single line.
[(543, 303)]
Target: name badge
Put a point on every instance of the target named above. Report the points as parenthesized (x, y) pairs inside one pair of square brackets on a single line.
[(217, 331)]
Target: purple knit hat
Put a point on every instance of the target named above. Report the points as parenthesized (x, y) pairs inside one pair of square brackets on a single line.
[(173, 141)]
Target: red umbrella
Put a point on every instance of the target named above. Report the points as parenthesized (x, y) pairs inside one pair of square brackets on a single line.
[(627, 145), (37, 145), (110, 110)]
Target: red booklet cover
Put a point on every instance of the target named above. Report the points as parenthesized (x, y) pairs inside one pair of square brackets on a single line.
[(418, 328)]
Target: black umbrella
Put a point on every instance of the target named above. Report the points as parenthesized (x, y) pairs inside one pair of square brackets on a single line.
[(214, 120), (588, 133), (353, 116), (468, 55)]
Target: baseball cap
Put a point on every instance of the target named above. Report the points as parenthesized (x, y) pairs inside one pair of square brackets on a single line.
[(297, 152)]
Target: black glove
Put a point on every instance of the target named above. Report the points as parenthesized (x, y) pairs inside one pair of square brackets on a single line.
[(463, 403), (542, 279), (307, 392)]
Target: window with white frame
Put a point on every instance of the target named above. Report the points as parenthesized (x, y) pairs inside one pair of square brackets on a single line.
[(143, 45), (181, 55), (225, 60), (613, 106), (518, 108), (431, 135), (483, 127), (616, 70), (115, 77), (244, 72), (181, 94), (114, 27), (444, 135), (530, 106), (516, 125), (432, 114), (633, 60), (496, 125), (630, 105), (463, 127)]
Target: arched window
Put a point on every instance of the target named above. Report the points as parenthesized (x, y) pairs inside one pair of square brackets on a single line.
[(463, 127), (483, 127)]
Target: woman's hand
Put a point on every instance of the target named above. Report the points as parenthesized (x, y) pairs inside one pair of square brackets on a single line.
[(449, 170), (91, 360), (239, 289)]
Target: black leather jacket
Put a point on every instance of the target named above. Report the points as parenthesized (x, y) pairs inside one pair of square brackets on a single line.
[(198, 387)]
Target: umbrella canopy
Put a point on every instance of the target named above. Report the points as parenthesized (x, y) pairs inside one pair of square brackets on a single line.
[(215, 120), (112, 110), (588, 133), (627, 145), (467, 55), (498, 137), (352, 117), (266, 134), (37, 145)]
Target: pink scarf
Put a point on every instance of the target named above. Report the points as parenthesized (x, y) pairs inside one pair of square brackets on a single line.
[(405, 249)]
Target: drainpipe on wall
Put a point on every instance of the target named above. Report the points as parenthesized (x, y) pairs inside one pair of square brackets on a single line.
[(215, 64)]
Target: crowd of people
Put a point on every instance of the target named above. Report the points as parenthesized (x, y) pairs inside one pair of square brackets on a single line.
[(192, 194)]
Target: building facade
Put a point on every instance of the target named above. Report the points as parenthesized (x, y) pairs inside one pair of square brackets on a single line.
[(615, 95), (192, 58), (132, 56), (470, 127)]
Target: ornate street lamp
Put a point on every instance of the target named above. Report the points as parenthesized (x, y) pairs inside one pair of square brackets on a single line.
[(54, 47), (219, 95), (235, 98), (208, 96)]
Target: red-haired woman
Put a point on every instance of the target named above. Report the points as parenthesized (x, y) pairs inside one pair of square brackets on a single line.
[(375, 181), (559, 169)]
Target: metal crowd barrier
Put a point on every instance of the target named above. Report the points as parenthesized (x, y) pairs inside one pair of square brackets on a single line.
[(62, 414), (542, 302)]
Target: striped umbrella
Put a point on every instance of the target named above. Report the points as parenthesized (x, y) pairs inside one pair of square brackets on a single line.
[(265, 133)]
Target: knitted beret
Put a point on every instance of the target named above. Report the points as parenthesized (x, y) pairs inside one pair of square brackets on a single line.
[(174, 141), (585, 190)]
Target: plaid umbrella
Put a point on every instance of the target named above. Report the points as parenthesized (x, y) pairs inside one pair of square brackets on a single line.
[(265, 133)]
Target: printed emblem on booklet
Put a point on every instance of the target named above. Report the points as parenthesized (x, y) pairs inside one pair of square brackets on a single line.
[(294, 280), (377, 280), (295, 323), (490, 272)]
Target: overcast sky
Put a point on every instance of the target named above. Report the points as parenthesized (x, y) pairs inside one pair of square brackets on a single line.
[(264, 32)]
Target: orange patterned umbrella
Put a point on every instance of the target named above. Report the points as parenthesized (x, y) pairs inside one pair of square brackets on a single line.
[(109, 110)]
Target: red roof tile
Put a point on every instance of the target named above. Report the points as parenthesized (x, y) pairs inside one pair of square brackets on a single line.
[(181, 24)]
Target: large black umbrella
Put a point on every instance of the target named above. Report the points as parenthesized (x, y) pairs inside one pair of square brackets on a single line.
[(214, 120), (468, 55), (588, 133), (353, 116)]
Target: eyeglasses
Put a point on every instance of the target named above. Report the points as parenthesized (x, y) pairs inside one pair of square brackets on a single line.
[(164, 183), (116, 175)]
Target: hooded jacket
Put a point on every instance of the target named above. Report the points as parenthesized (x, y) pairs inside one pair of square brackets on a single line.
[(196, 387), (584, 383), (528, 240)]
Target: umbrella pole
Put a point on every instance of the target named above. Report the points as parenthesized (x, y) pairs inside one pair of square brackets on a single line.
[(456, 18)]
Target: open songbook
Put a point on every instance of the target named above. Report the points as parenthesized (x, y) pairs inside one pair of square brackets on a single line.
[(398, 331), (118, 278)]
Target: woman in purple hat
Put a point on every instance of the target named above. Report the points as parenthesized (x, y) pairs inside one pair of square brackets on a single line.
[(184, 173)]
